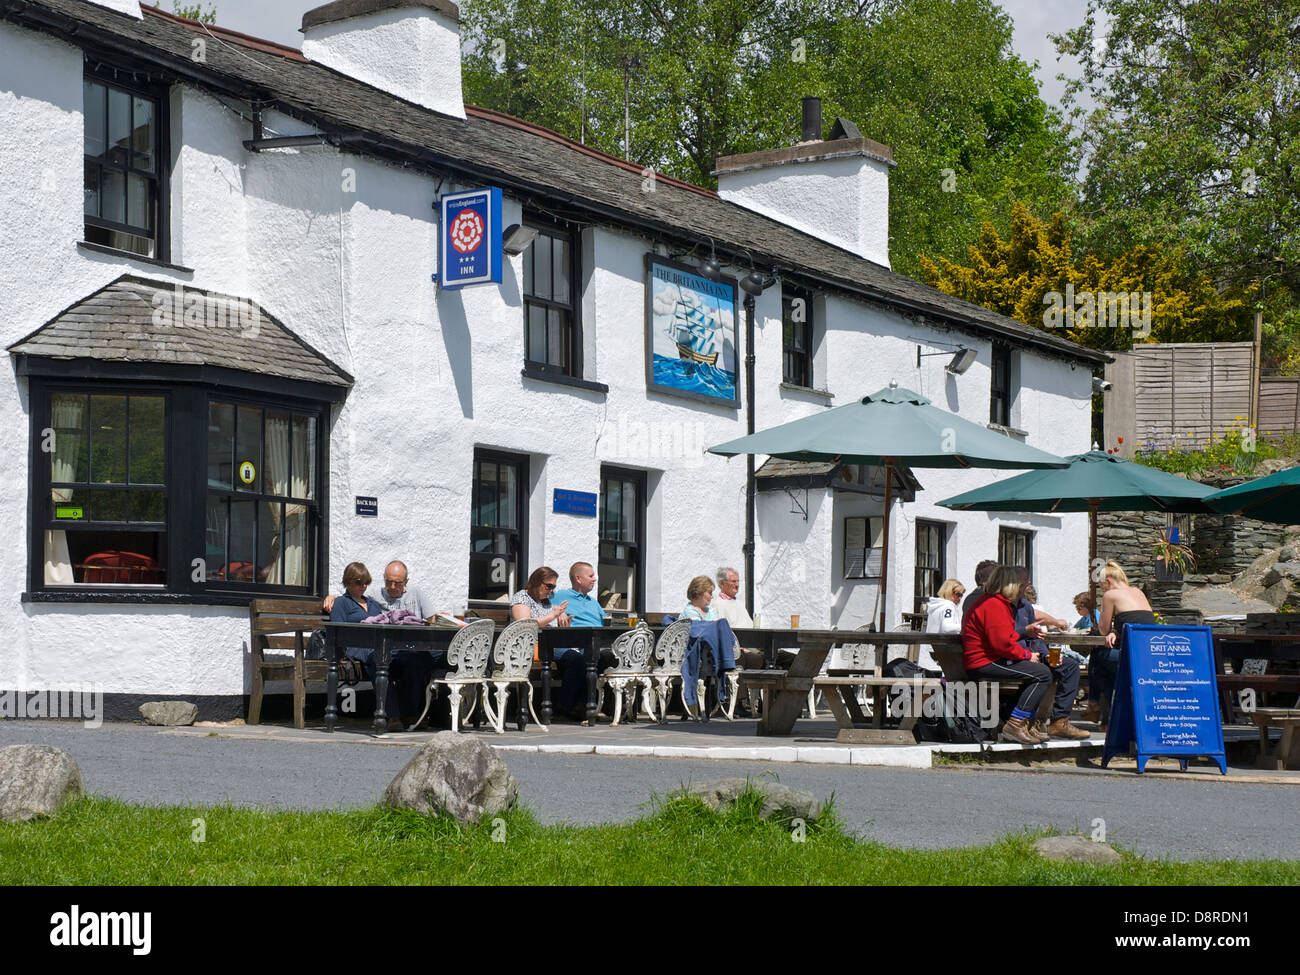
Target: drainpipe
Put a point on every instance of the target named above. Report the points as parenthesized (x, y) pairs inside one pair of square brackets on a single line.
[(749, 458)]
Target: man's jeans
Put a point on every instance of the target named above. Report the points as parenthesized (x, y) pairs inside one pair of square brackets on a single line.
[(573, 677)]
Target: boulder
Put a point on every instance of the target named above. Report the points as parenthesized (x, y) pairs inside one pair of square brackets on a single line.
[(455, 775), (36, 780), (1075, 849), (1287, 554), (779, 801), (171, 713)]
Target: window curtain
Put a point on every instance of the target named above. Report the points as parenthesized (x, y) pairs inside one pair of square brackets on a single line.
[(287, 476), (68, 419)]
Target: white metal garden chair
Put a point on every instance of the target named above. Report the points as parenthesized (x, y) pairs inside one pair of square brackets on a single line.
[(669, 653), (513, 660), (632, 669), (468, 657)]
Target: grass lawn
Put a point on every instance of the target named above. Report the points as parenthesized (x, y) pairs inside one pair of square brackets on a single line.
[(99, 841)]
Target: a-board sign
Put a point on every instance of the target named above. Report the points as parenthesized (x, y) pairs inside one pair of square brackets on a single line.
[(1166, 696), (368, 507), (574, 503)]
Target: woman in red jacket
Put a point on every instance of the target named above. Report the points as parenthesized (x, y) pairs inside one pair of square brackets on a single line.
[(991, 650)]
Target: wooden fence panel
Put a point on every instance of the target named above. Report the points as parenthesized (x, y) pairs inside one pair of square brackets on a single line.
[(1279, 406), (1187, 393)]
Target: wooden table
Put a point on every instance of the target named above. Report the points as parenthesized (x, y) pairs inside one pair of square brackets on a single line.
[(380, 637), (1239, 647)]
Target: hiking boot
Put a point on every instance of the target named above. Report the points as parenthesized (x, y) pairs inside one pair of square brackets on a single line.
[(1061, 728), (1091, 713), (1015, 730), (1035, 728)]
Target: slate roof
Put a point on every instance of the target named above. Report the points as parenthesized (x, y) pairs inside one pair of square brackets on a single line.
[(137, 320), (488, 146)]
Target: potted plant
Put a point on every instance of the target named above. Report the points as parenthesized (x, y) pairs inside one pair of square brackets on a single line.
[(1172, 559)]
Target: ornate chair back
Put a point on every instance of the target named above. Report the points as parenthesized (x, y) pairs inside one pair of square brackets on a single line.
[(632, 649), (514, 652), (671, 649), (470, 649)]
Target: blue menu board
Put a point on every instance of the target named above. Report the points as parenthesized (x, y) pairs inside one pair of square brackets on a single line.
[(1166, 696)]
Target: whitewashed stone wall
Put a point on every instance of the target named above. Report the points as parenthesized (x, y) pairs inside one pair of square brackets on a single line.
[(340, 248)]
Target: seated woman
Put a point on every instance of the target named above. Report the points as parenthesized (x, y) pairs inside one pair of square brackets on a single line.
[(943, 615), (1121, 605), (699, 600), (534, 602), (354, 606), (991, 650)]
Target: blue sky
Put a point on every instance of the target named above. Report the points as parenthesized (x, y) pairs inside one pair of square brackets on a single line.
[(279, 20)]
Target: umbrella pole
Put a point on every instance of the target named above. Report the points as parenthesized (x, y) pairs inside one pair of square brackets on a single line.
[(884, 542), (1092, 549)]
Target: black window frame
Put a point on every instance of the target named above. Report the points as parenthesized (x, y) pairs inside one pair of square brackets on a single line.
[(936, 574), (608, 472), (1005, 535), (521, 462), (159, 94), (185, 461), (1000, 394), (315, 513), (797, 364), (572, 311)]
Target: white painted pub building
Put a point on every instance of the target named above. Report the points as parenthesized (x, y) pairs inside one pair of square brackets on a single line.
[(239, 361)]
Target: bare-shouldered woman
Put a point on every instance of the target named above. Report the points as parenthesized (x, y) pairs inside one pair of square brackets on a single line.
[(1121, 604)]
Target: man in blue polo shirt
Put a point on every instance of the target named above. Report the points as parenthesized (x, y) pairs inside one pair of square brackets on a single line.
[(583, 610)]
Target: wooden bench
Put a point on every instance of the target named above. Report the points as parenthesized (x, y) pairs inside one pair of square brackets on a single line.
[(283, 624), (1287, 755)]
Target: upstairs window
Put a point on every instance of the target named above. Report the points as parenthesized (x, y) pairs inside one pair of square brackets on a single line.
[(124, 178), (796, 337), (552, 334), (1000, 392)]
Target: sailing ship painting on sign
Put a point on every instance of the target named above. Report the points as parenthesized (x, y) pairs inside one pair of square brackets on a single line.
[(690, 333)]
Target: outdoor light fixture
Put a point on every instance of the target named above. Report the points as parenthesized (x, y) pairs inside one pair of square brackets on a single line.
[(517, 239), (1101, 385), (754, 284), (962, 359), (711, 268)]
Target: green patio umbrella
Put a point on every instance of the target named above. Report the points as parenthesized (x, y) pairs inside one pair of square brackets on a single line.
[(1095, 481), (1274, 498), (890, 428)]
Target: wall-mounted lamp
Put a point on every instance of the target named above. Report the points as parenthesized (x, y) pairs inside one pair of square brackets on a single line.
[(1100, 385), (962, 359), (754, 284), (517, 238)]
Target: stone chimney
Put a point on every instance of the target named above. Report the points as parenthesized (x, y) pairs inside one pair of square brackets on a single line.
[(407, 48), (129, 7), (836, 190)]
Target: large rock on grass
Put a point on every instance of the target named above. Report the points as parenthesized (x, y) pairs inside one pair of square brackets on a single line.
[(779, 801), (1075, 849), (455, 775), (36, 780), (171, 713)]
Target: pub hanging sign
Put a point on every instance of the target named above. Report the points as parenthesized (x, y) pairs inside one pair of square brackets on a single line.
[(470, 240)]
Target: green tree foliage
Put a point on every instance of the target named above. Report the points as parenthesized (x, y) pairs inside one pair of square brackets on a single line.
[(935, 79), (195, 11), (1029, 274), (1193, 141)]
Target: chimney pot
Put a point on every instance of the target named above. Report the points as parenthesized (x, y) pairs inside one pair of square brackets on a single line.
[(812, 119)]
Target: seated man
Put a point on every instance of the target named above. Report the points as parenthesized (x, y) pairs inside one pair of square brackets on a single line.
[(583, 610), (1031, 633), (733, 611)]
